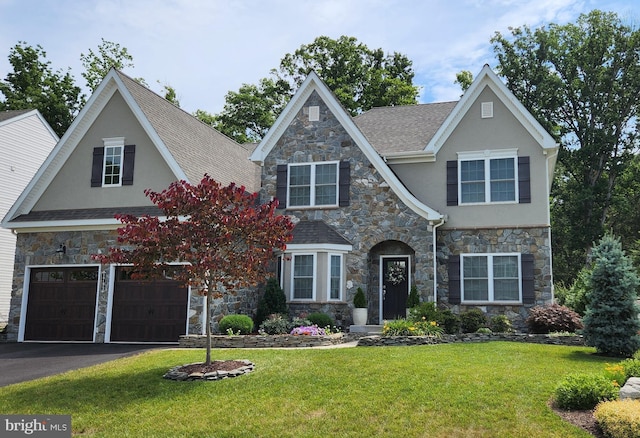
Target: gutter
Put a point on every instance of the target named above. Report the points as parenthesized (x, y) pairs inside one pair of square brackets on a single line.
[(435, 261)]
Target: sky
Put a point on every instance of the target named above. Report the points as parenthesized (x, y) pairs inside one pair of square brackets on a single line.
[(206, 48)]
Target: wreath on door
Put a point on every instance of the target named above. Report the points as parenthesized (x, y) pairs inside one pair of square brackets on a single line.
[(396, 273)]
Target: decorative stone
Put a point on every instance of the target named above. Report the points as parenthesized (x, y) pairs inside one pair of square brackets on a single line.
[(631, 389)]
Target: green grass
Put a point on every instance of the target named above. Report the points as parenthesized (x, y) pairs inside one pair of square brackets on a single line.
[(454, 390)]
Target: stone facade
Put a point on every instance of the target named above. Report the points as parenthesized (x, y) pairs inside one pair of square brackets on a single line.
[(536, 241), (39, 249), (376, 222)]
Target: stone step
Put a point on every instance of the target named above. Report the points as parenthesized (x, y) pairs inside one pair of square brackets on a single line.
[(370, 329)]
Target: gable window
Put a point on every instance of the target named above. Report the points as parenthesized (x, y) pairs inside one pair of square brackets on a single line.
[(113, 163), (487, 177), (303, 287), (490, 277), (313, 184)]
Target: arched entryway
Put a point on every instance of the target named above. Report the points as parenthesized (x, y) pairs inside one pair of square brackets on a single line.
[(391, 267)]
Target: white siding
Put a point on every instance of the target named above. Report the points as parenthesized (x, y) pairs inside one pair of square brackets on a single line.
[(25, 142)]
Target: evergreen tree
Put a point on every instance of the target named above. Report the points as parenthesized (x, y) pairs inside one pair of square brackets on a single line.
[(611, 321), (273, 301)]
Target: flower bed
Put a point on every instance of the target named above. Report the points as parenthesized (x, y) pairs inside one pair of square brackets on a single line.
[(262, 341)]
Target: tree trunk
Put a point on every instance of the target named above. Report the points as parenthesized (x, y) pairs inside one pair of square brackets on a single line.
[(208, 323)]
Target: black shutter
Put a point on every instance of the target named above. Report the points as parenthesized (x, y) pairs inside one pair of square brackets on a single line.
[(454, 279), (452, 182), (281, 185), (127, 166), (524, 180), (96, 167), (528, 283), (344, 184)]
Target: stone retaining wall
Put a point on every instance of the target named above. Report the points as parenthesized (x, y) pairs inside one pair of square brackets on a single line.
[(292, 341)]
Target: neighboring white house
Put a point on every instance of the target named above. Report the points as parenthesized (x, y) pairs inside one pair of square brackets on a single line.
[(26, 139)]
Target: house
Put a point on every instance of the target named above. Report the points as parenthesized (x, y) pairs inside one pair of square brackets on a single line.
[(23, 133), (125, 140), (450, 197)]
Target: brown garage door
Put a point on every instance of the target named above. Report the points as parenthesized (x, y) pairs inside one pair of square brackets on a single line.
[(62, 304), (147, 311)]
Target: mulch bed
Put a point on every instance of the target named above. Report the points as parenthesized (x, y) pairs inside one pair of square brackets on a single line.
[(582, 419), (216, 365)]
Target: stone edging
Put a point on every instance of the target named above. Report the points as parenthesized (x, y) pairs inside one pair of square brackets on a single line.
[(377, 340), (295, 341), (175, 374)]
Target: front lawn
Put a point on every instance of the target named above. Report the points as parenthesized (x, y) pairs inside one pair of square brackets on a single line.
[(497, 389)]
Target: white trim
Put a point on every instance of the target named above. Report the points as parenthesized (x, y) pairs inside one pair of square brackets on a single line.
[(486, 110), (318, 247), (491, 278), (25, 297), (313, 83), (381, 280), (312, 184), (314, 282), (341, 280), (486, 157), (113, 143)]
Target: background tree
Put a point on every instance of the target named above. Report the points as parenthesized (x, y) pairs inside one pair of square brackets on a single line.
[(580, 81), (360, 78), (97, 65), (225, 239), (34, 85), (611, 321)]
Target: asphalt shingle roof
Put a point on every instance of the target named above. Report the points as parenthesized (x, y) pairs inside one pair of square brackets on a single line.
[(313, 232), (10, 114), (405, 128)]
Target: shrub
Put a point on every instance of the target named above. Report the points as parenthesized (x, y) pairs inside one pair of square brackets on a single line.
[(501, 324), (298, 321), (584, 391), (553, 318), (611, 323), (576, 298), (405, 327), (426, 311), (272, 302), (449, 321), (484, 330), (616, 373), (275, 324), (414, 299), (619, 419), (236, 323), (320, 319), (631, 367), (359, 300), (472, 319)]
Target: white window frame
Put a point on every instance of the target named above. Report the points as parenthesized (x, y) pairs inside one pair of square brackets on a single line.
[(486, 157), (491, 278), (112, 143), (314, 282), (312, 190), (341, 277)]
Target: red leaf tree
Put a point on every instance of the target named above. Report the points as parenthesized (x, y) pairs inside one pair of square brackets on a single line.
[(222, 236)]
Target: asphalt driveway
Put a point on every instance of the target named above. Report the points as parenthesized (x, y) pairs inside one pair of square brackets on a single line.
[(26, 361)]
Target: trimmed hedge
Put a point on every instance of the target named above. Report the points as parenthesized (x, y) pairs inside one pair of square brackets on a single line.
[(619, 419), (237, 323)]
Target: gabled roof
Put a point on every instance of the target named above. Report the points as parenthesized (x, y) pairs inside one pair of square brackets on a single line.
[(314, 232), (404, 128), (11, 116), (189, 147), (313, 83)]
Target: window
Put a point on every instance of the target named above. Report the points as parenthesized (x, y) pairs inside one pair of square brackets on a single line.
[(491, 277), (335, 277), (112, 165), (490, 178), (313, 184), (303, 275)]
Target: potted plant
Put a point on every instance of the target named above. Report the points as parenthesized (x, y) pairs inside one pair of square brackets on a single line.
[(359, 308), (413, 300)]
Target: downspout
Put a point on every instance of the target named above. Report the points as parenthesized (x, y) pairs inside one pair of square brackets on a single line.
[(549, 157), (435, 261)]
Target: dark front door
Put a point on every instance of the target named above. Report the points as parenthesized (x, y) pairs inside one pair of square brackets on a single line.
[(62, 304), (148, 311), (395, 286)]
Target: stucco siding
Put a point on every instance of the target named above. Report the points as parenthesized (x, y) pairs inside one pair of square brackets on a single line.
[(71, 187)]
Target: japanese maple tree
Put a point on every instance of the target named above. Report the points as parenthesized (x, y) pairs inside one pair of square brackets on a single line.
[(222, 237)]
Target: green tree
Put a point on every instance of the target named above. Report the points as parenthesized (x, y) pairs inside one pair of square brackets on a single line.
[(611, 321), (34, 85), (360, 78), (580, 81), (97, 65), (273, 301), (464, 78)]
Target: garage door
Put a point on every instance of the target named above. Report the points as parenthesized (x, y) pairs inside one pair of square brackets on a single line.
[(61, 305), (147, 311)]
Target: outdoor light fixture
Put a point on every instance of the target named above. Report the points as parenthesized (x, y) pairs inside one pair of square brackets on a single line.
[(62, 249)]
